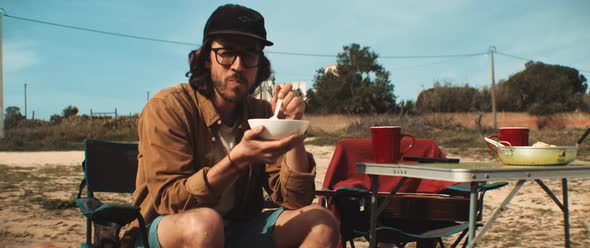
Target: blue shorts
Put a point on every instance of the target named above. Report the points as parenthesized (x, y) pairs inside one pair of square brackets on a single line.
[(256, 232)]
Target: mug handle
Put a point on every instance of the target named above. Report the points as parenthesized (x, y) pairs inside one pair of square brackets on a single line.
[(490, 145), (411, 145)]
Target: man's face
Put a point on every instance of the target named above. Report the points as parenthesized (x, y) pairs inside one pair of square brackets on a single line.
[(233, 64)]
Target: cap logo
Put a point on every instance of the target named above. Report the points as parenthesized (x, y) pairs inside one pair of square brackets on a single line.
[(245, 19)]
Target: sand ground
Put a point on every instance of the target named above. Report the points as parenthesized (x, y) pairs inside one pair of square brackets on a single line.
[(31, 180)]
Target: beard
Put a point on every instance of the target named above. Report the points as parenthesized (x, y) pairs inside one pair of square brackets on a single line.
[(231, 93)]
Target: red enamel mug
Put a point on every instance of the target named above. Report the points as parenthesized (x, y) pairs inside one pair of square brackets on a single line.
[(386, 143), (515, 136)]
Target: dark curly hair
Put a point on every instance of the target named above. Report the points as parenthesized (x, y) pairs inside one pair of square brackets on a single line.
[(200, 76)]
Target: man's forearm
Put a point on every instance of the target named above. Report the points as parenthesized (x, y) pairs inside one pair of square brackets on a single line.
[(297, 158), (221, 174)]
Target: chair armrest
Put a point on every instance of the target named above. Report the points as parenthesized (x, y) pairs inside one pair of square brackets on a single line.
[(324, 192), (351, 192), (95, 210), (464, 187), (88, 205), (117, 213)]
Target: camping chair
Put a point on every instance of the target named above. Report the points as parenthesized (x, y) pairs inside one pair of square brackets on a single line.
[(108, 167), (422, 218), (423, 211)]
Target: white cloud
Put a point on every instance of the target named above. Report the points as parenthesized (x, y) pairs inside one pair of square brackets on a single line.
[(19, 55)]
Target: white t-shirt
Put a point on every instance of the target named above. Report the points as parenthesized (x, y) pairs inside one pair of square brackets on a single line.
[(227, 136)]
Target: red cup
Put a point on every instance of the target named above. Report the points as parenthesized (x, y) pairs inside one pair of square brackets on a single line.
[(513, 136), (386, 143)]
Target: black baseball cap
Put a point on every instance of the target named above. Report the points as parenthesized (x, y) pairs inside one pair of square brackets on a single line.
[(236, 20)]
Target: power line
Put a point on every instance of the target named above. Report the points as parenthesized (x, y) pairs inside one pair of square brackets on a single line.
[(433, 56), (302, 54), (527, 59), (514, 56), (102, 32), (426, 64), (269, 52), (194, 45)]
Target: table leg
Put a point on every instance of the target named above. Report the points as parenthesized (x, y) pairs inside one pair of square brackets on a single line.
[(564, 206), (496, 214), (472, 210), (377, 209), (373, 215), (566, 212)]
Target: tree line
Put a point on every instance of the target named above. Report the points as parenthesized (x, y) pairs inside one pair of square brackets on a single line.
[(358, 84), (539, 89), (13, 117)]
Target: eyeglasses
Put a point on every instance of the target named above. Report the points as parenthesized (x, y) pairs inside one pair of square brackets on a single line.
[(227, 57)]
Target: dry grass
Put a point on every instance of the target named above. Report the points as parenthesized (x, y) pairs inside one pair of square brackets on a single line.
[(457, 133), (68, 133), (577, 120)]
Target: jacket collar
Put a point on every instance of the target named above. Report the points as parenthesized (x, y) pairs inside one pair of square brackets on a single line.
[(211, 116)]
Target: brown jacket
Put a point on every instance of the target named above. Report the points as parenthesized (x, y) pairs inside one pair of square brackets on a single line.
[(177, 138)]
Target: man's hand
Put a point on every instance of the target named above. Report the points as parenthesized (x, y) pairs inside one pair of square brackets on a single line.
[(254, 149), (292, 107)]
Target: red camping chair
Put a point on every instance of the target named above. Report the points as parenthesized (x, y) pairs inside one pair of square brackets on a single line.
[(345, 194)]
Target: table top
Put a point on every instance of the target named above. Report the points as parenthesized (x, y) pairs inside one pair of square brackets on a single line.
[(476, 171)]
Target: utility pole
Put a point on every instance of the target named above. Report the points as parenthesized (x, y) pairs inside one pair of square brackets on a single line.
[(493, 88), (2, 12), (25, 101), (148, 96)]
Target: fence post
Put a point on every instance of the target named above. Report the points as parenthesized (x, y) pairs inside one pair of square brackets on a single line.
[(115, 117)]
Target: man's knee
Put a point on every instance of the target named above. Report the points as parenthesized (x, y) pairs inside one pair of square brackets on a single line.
[(324, 229), (202, 222), (201, 227), (326, 218), (321, 216)]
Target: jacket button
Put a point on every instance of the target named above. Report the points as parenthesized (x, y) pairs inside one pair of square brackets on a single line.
[(213, 139)]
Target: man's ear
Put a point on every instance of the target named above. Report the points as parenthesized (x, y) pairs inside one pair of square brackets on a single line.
[(208, 63)]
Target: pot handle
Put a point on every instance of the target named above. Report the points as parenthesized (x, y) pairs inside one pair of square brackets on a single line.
[(492, 144), (584, 136)]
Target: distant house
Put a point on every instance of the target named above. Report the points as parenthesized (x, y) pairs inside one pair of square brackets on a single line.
[(301, 85), (331, 68), (266, 89)]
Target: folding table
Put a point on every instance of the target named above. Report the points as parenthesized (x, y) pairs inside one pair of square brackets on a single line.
[(476, 173)]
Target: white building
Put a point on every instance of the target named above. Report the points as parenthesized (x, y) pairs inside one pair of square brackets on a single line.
[(266, 89), (301, 85), (331, 68)]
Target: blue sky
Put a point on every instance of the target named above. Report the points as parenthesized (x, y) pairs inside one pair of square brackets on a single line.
[(101, 72)]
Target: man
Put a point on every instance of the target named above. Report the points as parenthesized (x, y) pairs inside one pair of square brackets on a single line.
[(202, 170)]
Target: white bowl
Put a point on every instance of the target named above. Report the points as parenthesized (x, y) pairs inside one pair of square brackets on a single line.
[(276, 129)]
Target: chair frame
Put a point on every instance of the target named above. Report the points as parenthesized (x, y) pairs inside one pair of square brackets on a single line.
[(115, 156), (459, 227)]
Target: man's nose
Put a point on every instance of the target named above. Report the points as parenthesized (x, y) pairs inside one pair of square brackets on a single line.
[(237, 65)]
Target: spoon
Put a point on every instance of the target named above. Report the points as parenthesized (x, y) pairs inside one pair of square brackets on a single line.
[(278, 107)]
